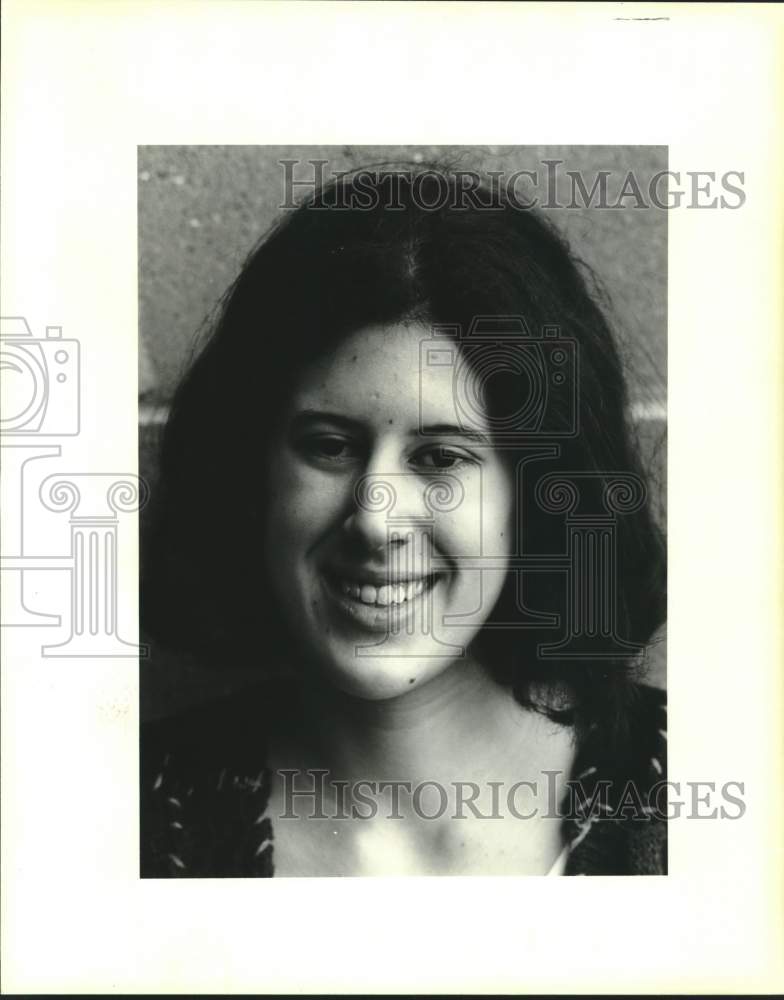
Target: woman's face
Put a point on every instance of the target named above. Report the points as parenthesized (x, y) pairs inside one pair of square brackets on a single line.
[(378, 501)]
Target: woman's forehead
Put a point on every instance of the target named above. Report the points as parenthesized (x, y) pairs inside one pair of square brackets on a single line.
[(396, 343), (386, 373)]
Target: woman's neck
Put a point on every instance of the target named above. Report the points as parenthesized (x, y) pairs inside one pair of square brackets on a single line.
[(482, 756), (461, 726)]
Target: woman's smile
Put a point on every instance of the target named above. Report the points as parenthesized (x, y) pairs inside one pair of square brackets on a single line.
[(370, 516), (380, 607)]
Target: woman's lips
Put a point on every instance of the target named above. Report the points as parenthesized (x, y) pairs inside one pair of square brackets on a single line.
[(378, 607), (396, 593)]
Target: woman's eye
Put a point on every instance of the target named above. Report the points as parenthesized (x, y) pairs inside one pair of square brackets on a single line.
[(441, 458), (328, 447)]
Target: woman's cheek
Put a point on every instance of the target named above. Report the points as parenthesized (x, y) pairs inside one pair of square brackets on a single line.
[(497, 511), (305, 501), (463, 530)]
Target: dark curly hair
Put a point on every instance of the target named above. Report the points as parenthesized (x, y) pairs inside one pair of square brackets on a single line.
[(348, 258)]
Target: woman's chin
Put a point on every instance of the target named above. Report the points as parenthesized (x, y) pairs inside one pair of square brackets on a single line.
[(380, 678)]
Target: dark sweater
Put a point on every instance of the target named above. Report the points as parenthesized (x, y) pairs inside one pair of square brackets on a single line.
[(205, 791)]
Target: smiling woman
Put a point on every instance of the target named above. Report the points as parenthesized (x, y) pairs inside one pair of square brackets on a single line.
[(341, 569), (400, 481)]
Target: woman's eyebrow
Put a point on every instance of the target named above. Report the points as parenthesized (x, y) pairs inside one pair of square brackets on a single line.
[(453, 430), (306, 417)]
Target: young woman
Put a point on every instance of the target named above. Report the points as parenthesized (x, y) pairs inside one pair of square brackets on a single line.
[(400, 480)]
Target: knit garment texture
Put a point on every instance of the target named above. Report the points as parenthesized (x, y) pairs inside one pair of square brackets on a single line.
[(205, 789)]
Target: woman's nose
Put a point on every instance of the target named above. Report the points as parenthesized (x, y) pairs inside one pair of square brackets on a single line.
[(367, 524), (384, 504)]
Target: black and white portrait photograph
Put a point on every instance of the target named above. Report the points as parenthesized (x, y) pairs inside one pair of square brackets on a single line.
[(410, 483), (391, 466)]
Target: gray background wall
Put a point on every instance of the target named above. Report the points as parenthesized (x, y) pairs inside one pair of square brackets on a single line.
[(202, 209)]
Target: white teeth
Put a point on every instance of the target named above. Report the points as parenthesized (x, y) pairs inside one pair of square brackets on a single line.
[(397, 593)]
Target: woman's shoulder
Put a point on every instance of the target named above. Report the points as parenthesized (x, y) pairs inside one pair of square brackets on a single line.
[(204, 786), (616, 819), (647, 703)]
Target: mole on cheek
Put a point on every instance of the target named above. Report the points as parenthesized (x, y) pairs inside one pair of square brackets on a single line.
[(411, 680)]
